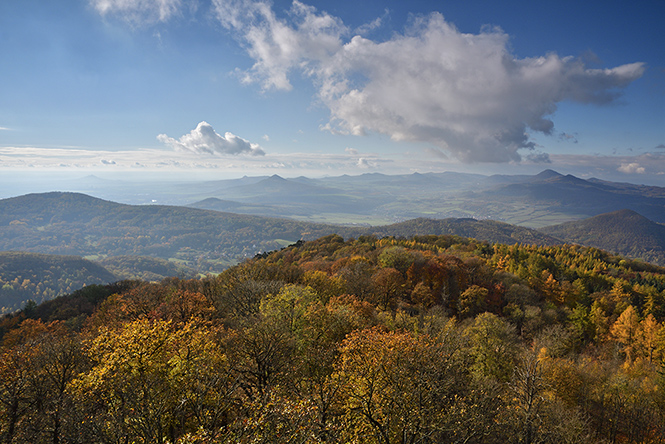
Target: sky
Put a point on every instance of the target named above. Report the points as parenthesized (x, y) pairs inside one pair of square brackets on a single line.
[(226, 88)]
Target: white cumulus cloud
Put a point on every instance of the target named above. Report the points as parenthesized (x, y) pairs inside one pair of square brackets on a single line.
[(205, 140), (278, 46), (463, 94), (466, 94), (631, 168), (365, 163)]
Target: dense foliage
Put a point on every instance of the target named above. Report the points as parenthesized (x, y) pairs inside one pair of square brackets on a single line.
[(624, 232), (144, 268), (40, 277), (427, 340)]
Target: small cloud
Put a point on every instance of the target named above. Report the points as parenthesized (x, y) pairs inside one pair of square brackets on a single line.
[(266, 138), (205, 140), (365, 163), (565, 137), (374, 24), (137, 12), (351, 151), (3, 128), (631, 168), (661, 146), (108, 162), (538, 158)]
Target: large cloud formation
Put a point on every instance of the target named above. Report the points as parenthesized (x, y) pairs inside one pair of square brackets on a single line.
[(205, 140), (464, 93)]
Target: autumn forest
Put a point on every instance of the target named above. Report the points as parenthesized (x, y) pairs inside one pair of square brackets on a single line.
[(431, 339)]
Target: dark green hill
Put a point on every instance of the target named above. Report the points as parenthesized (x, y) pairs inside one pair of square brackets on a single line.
[(486, 230), (145, 268), (572, 195), (624, 232), (38, 210), (209, 241), (41, 277)]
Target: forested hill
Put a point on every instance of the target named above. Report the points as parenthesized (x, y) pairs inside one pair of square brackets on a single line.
[(486, 230), (207, 241), (70, 223), (41, 277), (574, 196), (145, 268), (624, 232), (380, 341)]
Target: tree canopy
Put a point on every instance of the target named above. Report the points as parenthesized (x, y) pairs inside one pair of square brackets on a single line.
[(427, 339)]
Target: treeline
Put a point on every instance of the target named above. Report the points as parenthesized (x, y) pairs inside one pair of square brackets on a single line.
[(145, 268), (487, 230), (431, 339), (40, 277)]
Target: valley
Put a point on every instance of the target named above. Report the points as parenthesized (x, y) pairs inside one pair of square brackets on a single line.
[(238, 219)]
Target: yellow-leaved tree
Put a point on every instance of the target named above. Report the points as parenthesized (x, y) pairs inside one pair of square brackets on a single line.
[(404, 387), (152, 380), (625, 330)]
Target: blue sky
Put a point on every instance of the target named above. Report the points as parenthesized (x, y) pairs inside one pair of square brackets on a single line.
[(223, 88)]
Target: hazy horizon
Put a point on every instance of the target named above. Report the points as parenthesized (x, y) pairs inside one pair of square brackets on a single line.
[(227, 88)]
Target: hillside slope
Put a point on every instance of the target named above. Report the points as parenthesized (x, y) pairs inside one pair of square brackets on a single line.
[(71, 223), (486, 230), (41, 277), (623, 232), (572, 195), (445, 339), (208, 241), (151, 269)]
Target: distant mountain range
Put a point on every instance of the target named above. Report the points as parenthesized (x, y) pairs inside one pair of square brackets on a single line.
[(204, 240), (372, 199), (575, 196), (151, 242)]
